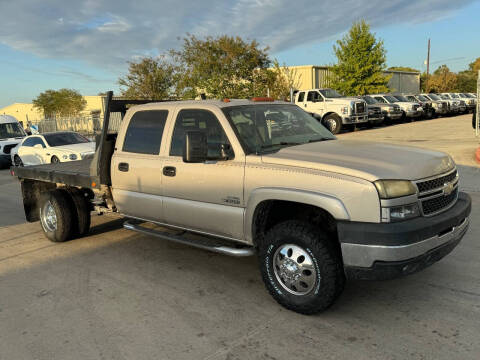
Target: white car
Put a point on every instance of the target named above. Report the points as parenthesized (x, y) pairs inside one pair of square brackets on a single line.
[(52, 148)]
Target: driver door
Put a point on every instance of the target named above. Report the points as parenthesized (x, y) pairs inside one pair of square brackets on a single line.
[(206, 197), (314, 103)]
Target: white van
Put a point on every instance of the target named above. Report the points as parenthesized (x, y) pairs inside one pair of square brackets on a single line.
[(11, 133)]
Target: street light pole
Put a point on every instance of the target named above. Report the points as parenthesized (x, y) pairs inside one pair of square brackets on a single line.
[(477, 121), (428, 66)]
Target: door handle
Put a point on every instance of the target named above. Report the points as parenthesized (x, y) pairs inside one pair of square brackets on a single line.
[(169, 171), (123, 167)]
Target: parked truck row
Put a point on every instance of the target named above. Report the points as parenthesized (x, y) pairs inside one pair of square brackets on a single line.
[(337, 112), (244, 177)]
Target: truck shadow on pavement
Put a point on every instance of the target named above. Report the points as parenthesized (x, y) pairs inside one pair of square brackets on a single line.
[(113, 285)]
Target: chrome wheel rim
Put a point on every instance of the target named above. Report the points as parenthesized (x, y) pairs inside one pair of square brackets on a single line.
[(294, 269), (49, 217), (332, 125)]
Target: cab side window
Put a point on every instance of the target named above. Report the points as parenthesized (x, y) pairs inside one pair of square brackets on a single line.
[(144, 133), (382, 100), (313, 96), (301, 96), (199, 120)]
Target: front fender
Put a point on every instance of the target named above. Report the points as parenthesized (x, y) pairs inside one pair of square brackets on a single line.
[(326, 202)]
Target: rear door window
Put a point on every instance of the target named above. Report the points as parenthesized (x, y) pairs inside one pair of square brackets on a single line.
[(144, 132)]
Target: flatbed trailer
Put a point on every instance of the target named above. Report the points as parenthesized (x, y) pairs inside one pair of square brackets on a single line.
[(91, 176)]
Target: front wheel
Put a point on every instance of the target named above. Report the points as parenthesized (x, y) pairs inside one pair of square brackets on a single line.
[(301, 267), (17, 161), (333, 123), (55, 160)]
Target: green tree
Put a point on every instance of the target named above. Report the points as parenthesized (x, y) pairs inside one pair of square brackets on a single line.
[(361, 62), (467, 79), (442, 80), (221, 67), (149, 78), (403, 68), (281, 80), (63, 102)]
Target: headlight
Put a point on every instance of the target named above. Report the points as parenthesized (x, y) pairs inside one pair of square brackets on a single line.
[(65, 157), (399, 213), (73, 157), (389, 189), (345, 110)]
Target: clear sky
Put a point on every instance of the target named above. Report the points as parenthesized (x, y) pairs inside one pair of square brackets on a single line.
[(85, 44)]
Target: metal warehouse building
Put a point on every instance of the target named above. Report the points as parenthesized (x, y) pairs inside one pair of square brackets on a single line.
[(313, 76)]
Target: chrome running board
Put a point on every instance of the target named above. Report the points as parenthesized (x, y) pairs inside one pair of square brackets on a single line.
[(201, 242)]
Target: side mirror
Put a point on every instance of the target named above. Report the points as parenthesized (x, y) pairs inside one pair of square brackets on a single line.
[(196, 149), (38, 146)]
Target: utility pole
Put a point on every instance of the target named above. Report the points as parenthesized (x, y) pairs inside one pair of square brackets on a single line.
[(428, 66)]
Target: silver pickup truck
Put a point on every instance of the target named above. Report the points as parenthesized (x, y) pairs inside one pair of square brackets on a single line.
[(244, 177)]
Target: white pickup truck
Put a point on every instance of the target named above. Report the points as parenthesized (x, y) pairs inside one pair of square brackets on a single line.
[(333, 109)]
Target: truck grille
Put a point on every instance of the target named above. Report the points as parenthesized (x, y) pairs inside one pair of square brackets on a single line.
[(435, 205), (437, 183), (438, 194), (444, 105), (359, 108)]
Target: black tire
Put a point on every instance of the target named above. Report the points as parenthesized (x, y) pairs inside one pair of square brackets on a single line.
[(80, 213), (55, 160), (328, 266), (60, 202), (328, 123), (404, 117), (17, 161)]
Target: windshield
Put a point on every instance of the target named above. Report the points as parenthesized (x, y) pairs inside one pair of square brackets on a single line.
[(330, 93), (369, 100), (434, 97), (466, 96), (411, 98), (422, 98), (454, 96), (401, 98), (390, 99), (263, 128), (11, 130), (444, 97), (60, 139)]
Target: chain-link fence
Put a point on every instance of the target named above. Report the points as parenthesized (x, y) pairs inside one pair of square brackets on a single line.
[(86, 125)]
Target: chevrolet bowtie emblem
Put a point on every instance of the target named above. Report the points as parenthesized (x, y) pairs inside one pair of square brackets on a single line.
[(448, 188)]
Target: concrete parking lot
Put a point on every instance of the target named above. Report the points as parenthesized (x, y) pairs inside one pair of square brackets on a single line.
[(120, 295)]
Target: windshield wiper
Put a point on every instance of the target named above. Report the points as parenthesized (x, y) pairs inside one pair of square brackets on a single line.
[(283, 143)]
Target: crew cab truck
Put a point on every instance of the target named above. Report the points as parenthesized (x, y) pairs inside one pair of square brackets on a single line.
[(244, 177), (332, 109)]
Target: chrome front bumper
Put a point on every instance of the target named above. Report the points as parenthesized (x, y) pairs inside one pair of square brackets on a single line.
[(359, 255)]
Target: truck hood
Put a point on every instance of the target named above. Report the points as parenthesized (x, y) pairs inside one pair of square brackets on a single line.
[(77, 148), (367, 160)]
